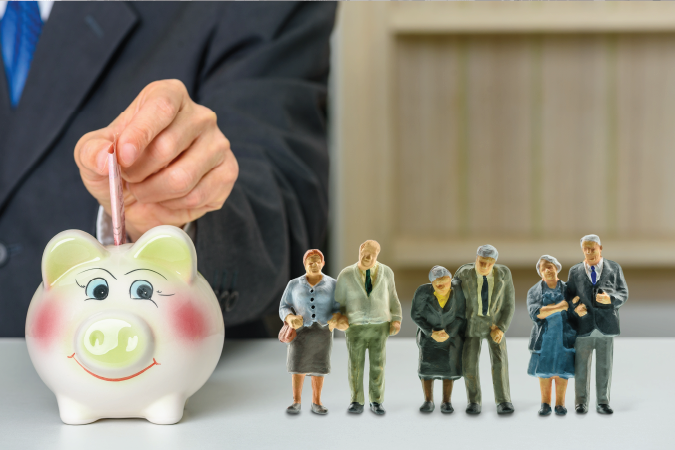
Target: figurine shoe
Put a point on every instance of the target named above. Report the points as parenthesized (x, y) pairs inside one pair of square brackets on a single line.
[(506, 408), (355, 408), (427, 407), (604, 409), (446, 408), (319, 409), (293, 409), (473, 408), (377, 408), (560, 410), (546, 409), (581, 409)]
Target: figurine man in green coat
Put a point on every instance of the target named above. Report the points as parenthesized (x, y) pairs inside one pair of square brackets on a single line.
[(490, 303), (367, 297)]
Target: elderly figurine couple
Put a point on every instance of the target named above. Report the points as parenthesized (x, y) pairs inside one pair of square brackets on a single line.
[(453, 316), (570, 321), (363, 303)]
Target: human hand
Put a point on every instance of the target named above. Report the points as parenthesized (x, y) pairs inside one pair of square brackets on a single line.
[(394, 328), (575, 300), (439, 336), (294, 321), (496, 334), (603, 298), (176, 163), (581, 310)]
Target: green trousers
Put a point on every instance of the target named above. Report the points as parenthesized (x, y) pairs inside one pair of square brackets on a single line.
[(499, 360), (371, 337)]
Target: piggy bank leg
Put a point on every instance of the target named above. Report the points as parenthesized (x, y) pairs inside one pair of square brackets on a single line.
[(74, 413), (167, 410)]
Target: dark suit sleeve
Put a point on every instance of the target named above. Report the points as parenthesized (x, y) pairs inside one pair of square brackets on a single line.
[(417, 312), (508, 303), (619, 294), (570, 293), (264, 73)]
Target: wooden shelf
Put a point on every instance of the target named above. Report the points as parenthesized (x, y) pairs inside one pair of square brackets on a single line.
[(425, 253)]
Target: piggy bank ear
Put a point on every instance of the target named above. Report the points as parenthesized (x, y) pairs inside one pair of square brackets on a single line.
[(168, 247), (68, 250)]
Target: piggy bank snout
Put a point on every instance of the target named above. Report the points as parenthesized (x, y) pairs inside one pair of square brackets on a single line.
[(114, 344)]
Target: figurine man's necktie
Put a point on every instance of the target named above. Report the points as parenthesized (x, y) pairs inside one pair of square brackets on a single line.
[(20, 30), (594, 276), (369, 283), (484, 295)]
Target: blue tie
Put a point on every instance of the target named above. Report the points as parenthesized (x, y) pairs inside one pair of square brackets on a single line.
[(594, 276), (20, 30)]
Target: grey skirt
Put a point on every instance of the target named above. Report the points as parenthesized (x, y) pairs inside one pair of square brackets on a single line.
[(309, 352)]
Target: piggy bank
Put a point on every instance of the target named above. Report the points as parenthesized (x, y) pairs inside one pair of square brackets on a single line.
[(126, 331)]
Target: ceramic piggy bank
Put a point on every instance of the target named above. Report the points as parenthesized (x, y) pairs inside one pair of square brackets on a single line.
[(126, 331)]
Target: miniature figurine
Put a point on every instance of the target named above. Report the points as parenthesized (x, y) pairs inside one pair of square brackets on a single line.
[(438, 310), (552, 338), (599, 285), (123, 331), (490, 303), (308, 306), (367, 297)]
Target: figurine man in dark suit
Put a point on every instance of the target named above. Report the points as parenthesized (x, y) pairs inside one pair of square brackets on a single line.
[(490, 303), (596, 288)]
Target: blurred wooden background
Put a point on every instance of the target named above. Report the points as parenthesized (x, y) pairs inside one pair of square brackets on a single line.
[(524, 125)]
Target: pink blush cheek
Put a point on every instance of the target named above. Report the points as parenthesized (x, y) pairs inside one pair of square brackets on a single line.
[(46, 323), (188, 321)]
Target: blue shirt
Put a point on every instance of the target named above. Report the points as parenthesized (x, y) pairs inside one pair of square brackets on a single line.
[(313, 303)]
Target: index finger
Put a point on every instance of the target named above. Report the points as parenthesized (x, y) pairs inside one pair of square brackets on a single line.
[(155, 109)]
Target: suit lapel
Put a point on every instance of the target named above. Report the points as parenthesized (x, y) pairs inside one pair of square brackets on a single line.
[(76, 44)]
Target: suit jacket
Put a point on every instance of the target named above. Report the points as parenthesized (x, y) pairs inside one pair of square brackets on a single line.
[(428, 315), (604, 318), (502, 304), (262, 67), (382, 305)]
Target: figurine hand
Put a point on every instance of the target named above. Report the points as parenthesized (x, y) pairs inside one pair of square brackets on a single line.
[(439, 336), (342, 323), (394, 328), (293, 321), (581, 310), (575, 300), (564, 305), (603, 298), (176, 162), (496, 334)]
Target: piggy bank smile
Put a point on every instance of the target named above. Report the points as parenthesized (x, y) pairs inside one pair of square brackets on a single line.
[(123, 331)]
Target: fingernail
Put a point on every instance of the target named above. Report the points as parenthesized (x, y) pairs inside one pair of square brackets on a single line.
[(128, 154)]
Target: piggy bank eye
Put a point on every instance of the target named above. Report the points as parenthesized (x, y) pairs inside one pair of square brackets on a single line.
[(97, 289), (141, 290)]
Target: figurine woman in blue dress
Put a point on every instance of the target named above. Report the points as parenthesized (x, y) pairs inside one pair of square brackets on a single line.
[(552, 338)]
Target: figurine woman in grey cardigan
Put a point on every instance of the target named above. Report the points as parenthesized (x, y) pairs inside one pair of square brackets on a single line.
[(552, 338), (438, 309), (308, 306)]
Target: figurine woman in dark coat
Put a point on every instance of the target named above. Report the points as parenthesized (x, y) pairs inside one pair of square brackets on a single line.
[(552, 338), (438, 310)]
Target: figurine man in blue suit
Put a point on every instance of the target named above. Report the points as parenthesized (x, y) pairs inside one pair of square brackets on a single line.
[(596, 289)]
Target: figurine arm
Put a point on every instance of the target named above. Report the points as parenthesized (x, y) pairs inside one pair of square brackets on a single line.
[(418, 317), (619, 294), (534, 303), (508, 305), (394, 303), (286, 305)]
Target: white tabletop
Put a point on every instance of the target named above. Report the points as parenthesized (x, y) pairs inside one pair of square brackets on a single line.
[(243, 406)]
